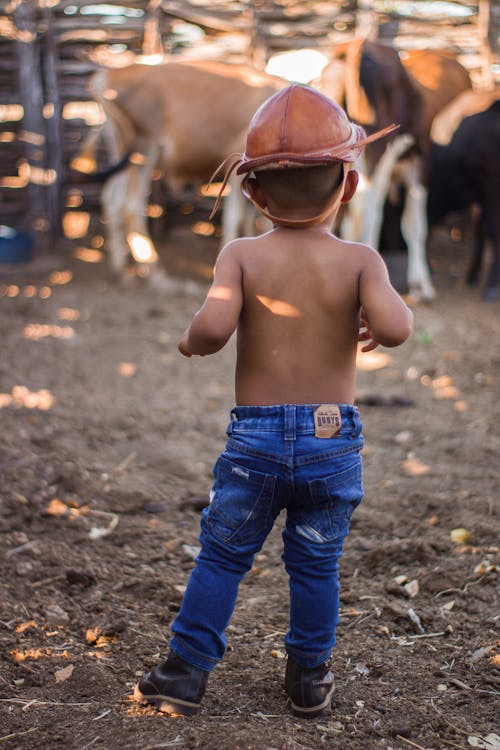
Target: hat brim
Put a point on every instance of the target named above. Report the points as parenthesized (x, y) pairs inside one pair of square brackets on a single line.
[(343, 152)]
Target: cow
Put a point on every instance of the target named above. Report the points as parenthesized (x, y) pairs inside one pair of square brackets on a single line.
[(380, 87), (465, 172), (186, 117)]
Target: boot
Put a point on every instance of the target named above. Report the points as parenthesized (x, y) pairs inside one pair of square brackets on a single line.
[(309, 691), (174, 687)]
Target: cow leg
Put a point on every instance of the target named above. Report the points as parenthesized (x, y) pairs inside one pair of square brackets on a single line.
[(138, 189), (478, 240), (234, 211), (85, 160), (113, 200), (124, 200), (414, 230), (491, 218), (351, 228), (380, 183)]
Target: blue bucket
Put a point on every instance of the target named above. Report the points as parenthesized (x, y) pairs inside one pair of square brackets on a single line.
[(15, 247)]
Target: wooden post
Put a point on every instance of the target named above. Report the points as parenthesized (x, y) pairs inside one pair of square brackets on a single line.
[(366, 20), (152, 43), (52, 112), (485, 29), (258, 50), (33, 132)]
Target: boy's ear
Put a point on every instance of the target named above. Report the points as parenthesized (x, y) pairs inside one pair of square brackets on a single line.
[(256, 192), (351, 183)]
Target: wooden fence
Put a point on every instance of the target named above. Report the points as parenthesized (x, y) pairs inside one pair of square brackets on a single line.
[(48, 50)]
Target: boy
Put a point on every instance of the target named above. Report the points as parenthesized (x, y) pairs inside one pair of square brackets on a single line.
[(300, 299)]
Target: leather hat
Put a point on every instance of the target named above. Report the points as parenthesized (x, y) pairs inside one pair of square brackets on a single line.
[(299, 126)]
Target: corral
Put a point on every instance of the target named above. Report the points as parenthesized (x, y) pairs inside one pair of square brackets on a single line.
[(107, 444)]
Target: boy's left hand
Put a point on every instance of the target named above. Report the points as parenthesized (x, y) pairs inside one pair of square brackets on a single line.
[(183, 345)]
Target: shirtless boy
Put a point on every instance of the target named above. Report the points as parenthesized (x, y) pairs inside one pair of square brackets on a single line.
[(300, 299)]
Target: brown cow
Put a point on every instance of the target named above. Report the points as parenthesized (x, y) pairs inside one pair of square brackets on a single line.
[(381, 87), (186, 116)]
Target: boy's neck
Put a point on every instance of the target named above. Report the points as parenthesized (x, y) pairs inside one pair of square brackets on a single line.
[(324, 227)]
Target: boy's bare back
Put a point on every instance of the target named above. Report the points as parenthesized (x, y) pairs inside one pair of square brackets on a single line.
[(300, 298), (295, 297)]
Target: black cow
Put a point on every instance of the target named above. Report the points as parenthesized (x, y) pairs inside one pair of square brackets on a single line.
[(464, 173), (377, 87)]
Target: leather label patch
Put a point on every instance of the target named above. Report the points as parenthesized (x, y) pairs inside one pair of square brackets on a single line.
[(327, 420)]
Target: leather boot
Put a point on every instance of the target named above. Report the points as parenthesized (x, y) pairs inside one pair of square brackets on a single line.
[(310, 691), (174, 687)]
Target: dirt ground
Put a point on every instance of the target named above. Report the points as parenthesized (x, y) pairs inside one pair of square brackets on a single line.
[(107, 444)]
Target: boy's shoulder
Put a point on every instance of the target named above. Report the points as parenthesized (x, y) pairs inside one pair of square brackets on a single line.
[(240, 245), (240, 248)]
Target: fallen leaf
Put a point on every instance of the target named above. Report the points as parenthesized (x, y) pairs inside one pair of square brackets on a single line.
[(278, 654), (485, 566), (64, 674), (432, 520), (362, 669), (25, 625), (97, 532), (490, 742), (414, 467), (479, 653), (56, 507), (459, 536)]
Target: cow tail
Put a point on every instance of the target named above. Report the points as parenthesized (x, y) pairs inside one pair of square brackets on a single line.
[(357, 103), (117, 127)]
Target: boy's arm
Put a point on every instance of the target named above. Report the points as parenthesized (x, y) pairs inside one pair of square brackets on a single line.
[(214, 323), (386, 317)]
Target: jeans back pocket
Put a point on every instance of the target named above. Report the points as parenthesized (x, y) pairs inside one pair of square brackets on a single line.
[(241, 506), (333, 500)]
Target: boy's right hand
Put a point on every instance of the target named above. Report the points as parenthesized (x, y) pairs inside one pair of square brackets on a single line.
[(365, 334)]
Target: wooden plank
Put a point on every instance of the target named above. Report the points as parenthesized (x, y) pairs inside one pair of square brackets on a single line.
[(30, 87), (53, 160)]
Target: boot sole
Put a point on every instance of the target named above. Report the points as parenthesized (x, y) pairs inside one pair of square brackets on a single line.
[(312, 711), (166, 704)]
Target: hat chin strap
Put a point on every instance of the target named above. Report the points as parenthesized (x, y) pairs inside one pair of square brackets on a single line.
[(331, 206)]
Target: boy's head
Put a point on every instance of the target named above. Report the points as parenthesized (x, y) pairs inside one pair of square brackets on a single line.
[(297, 192), (299, 147)]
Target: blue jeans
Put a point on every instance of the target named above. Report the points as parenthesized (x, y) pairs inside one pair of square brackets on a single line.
[(272, 462)]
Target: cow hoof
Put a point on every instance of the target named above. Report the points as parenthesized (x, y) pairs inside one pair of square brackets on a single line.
[(422, 292)]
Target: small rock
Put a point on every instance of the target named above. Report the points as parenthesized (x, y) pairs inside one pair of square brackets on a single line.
[(56, 615), (154, 507), (401, 730), (403, 437), (80, 578)]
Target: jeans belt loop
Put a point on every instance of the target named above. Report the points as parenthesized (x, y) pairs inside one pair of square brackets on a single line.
[(290, 421)]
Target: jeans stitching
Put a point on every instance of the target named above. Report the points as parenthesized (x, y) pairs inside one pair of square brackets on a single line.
[(300, 461)]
